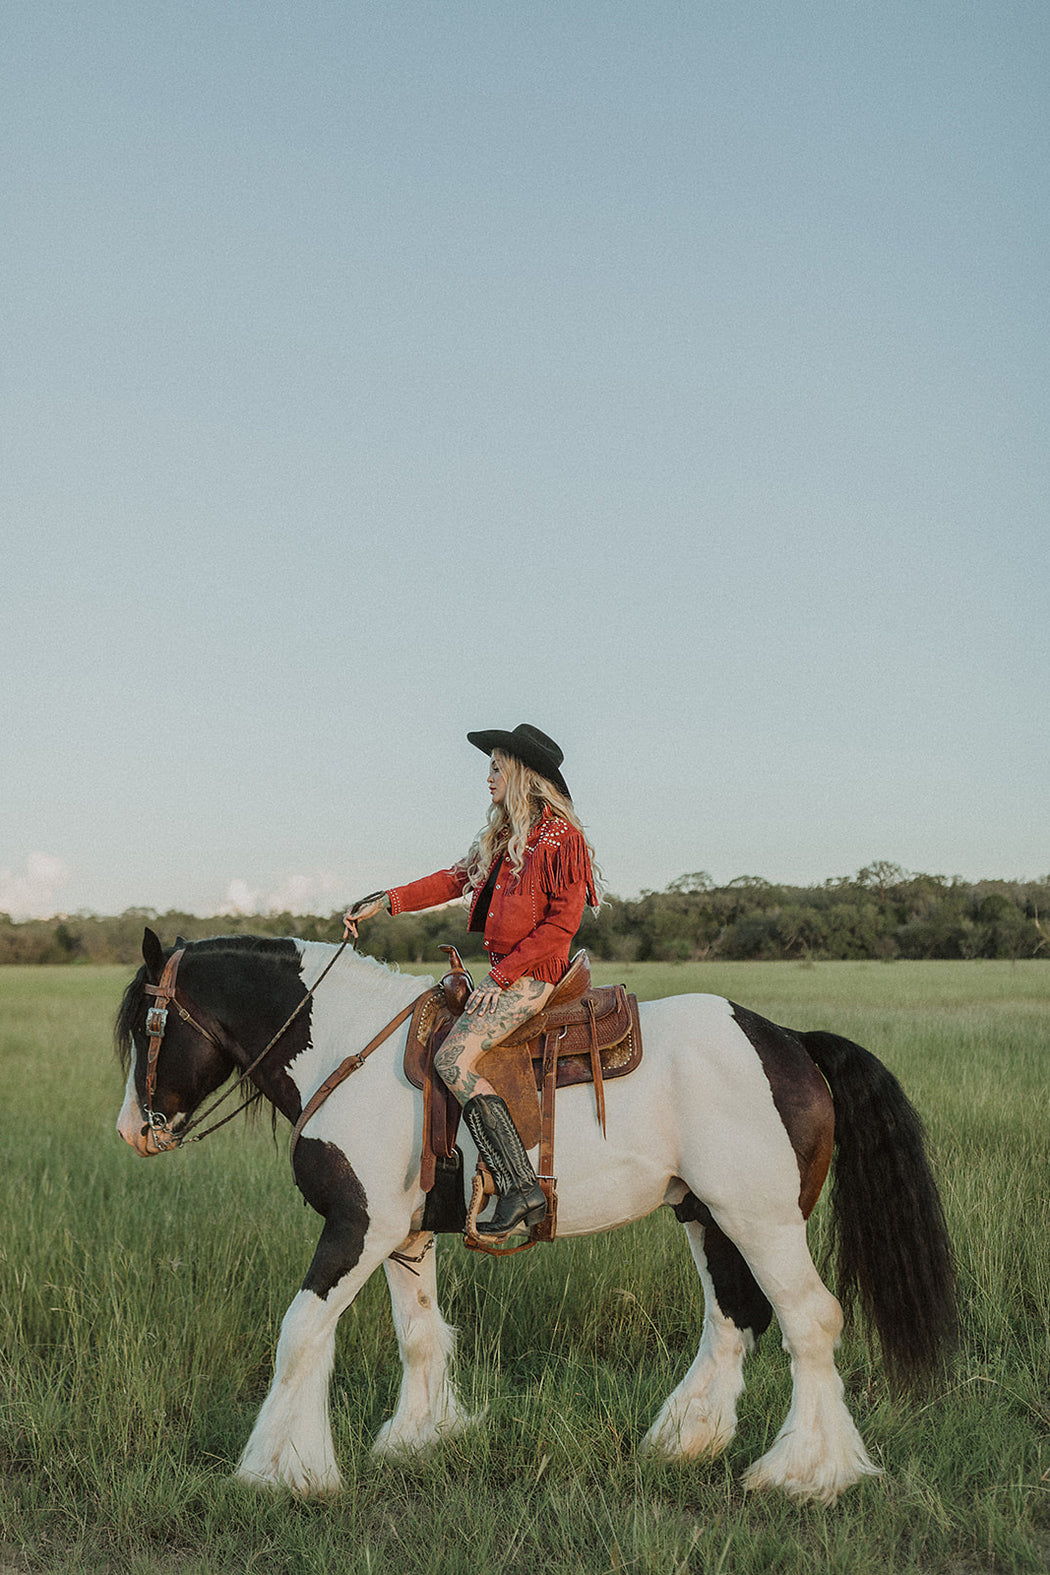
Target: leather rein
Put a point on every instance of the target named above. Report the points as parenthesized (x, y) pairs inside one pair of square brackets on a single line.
[(167, 993)]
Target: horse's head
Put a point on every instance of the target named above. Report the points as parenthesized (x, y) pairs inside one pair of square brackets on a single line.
[(173, 1048)]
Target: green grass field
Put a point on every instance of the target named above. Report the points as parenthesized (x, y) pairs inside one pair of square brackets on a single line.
[(140, 1304)]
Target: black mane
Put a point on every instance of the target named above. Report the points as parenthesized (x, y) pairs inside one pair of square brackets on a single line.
[(213, 945)]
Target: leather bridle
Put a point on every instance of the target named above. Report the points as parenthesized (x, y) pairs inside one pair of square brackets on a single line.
[(165, 994), (168, 993)]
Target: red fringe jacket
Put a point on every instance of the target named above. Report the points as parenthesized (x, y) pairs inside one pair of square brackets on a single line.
[(532, 917)]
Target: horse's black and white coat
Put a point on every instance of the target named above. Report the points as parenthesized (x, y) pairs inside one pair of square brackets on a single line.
[(728, 1118)]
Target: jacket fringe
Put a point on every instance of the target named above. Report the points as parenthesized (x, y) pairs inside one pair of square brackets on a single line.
[(559, 859)]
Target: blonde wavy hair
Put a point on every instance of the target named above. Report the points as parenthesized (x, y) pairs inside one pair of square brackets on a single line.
[(527, 794)]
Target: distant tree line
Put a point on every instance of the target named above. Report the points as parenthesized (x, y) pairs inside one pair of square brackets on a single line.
[(881, 912)]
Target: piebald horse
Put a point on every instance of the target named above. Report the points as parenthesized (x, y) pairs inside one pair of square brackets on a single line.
[(729, 1119)]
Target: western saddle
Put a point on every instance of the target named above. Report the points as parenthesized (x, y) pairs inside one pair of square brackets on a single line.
[(581, 1035)]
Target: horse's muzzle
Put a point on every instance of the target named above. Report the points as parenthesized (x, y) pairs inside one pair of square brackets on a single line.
[(137, 1133)]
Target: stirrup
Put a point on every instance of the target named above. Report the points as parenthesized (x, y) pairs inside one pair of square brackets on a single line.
[(531, 1213), (482, 1188)]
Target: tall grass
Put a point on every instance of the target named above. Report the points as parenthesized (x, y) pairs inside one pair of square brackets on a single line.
[(140, 1303)]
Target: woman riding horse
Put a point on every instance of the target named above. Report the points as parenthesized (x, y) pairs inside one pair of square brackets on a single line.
[(530, 872)]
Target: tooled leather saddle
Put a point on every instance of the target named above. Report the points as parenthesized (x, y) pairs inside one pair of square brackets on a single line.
[(582, 1035)]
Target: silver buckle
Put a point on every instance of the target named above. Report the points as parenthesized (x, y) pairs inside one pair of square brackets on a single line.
[(156, 1020)]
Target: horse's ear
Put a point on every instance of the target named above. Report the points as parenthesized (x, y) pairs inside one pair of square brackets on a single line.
[(180, 940), (152, 955)]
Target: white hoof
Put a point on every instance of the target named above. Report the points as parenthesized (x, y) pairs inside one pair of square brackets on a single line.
[(699, 1417), (287, 1471), (810, 1469), (687, 1432), (398, 1437)]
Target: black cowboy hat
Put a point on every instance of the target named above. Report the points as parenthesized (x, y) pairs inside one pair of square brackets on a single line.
[(529, 745)]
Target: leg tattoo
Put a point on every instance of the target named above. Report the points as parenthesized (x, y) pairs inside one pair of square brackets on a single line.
[(472, 1036)]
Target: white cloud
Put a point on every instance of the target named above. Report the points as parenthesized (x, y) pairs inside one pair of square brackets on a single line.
[(319, 892), (30, 893), (305, 893), (240, 898)]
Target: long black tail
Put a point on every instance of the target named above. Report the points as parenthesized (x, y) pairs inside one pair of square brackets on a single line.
[(890, 1239)]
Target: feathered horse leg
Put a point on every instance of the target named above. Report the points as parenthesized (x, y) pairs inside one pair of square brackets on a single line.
[(699, 1416), (428, 1407), (818, 1452), (291, 1442)]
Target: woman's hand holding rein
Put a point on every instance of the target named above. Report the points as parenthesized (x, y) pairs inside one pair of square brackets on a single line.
[(364, 908), (484, 998)]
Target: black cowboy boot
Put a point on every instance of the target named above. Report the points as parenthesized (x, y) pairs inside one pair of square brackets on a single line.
[(522, 1199)]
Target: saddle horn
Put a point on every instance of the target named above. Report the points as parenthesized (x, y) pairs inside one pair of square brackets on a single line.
[(457, 983)]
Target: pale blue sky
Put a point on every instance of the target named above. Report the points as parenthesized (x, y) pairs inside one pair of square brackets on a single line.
[(671, 376)]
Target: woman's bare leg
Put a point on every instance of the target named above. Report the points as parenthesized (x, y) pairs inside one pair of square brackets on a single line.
[(476, 1032)]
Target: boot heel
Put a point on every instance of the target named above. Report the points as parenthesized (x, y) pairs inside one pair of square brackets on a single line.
[(514, 1210), (522, 1199)]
